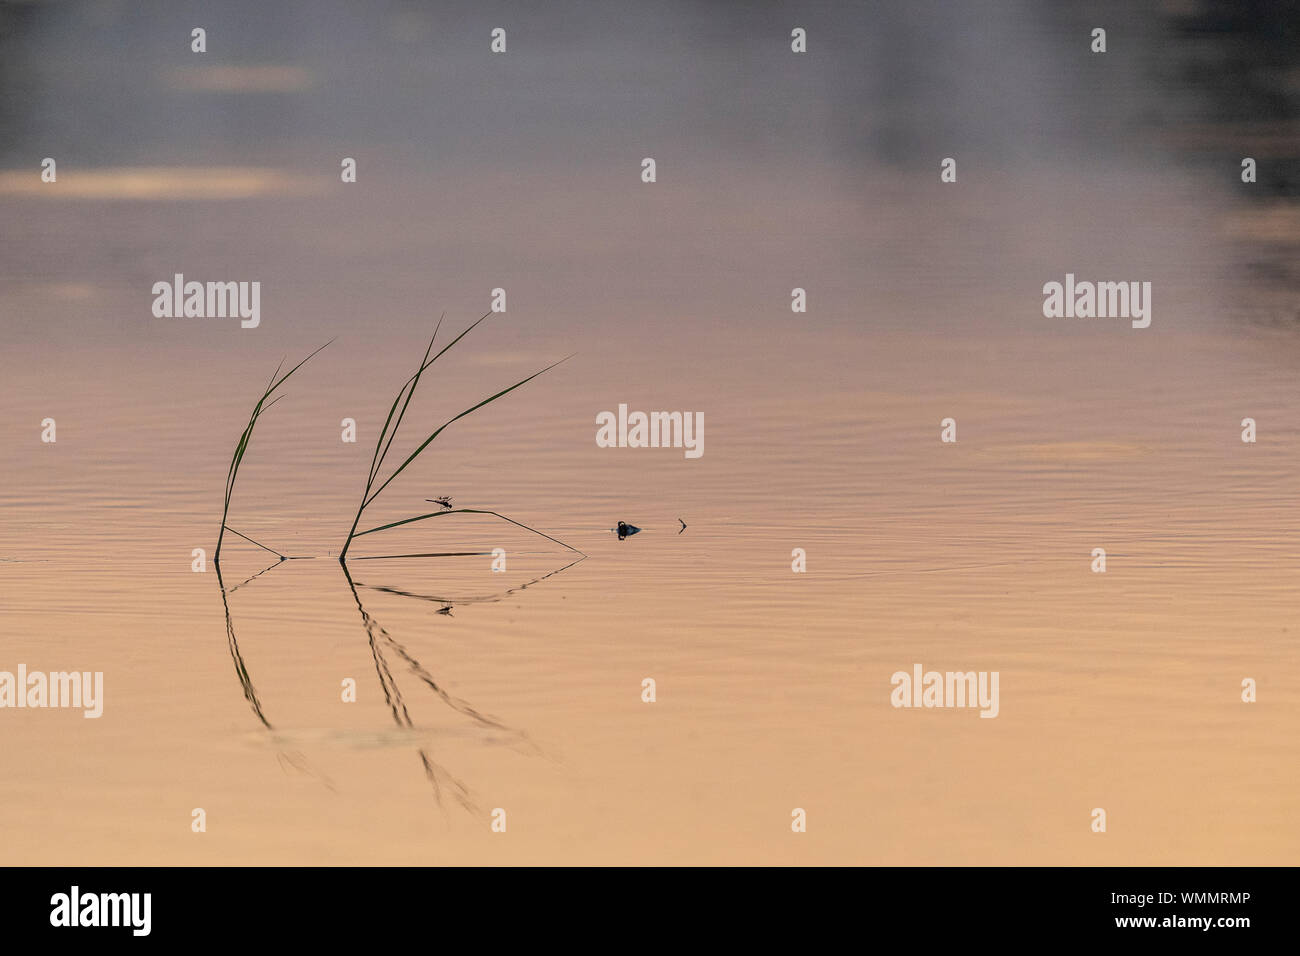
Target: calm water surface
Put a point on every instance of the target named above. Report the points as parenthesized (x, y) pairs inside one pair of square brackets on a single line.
[(522, 690)]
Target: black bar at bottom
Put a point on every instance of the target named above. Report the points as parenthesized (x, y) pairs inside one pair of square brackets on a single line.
[(309, 905)]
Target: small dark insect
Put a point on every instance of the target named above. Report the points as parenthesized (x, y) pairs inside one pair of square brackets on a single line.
[(444, 501), (626, 530)]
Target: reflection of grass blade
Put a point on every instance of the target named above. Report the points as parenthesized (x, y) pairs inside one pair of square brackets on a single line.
[(233, 472), (449, 602), (252, 577), (378, 638), (378, 634), (393, 422), (424, 554), (245, 680)]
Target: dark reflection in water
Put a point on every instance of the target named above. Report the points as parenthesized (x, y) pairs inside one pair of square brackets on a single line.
[(893, 81), (241, 670), (1241, 57), (1197, 84), (439, 777), (448, 602), (293, 759), (382, 644)]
